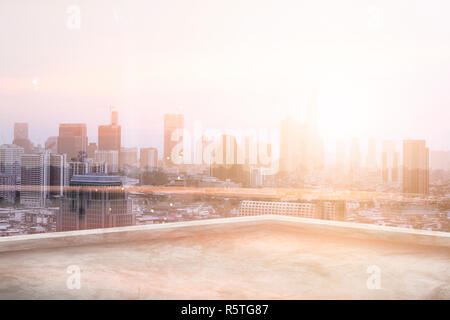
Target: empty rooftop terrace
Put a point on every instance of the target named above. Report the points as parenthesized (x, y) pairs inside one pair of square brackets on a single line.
[(262, 257)]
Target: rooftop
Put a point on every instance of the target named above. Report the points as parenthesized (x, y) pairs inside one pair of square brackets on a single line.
[(262, 257)]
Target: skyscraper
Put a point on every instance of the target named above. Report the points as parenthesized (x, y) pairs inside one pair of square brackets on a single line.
[(148, 158), (35, 179), (21, 136), (313, 147), (86, 167), (415, 167), (7, 187), (51, 144), (72, 140), (128, 157), (92, 147), (58, 171), (173, 136), (389, 162), (10, 162), (110, 136), (110, 158), (290, 145), (229, 160), (94, 201)]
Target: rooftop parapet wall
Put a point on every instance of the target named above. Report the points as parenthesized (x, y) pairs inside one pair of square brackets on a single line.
[(243, 224)]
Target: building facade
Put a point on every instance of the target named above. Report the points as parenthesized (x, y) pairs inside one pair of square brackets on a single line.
[(173, 136), (320, 209), (35, 179), (110, 158), (21, 136), (415, 167), (10, 162), (148, 158), (73, 141), (94, 201), (58, 172)]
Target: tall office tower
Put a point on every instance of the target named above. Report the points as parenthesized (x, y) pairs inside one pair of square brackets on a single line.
[(395, 167), (355, 156), (128, 157), (110, 158), (229, 160), (371, 162), (58, 171), (72, 140), (264, 154), (35, 179), (389, 162), (250, 147), (94, 201), (312, 152), (290, 145), (85, 167), (110, 136), (92, 147), (10, 160), (21, 136), (149, 158), (415, 167), (114, 117), (173, 136), (51, 144), (7, 187)]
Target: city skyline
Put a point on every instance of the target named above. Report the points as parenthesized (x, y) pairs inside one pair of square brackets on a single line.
[(380, 72)]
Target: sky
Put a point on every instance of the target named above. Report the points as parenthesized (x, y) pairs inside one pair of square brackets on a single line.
[(380, 68)]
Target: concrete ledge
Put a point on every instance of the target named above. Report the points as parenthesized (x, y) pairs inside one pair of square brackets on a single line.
[(191, 228)]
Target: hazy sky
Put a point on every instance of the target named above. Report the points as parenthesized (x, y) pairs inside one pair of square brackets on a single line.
[(380, 68)]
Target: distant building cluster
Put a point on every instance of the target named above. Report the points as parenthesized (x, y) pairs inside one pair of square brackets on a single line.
[(318, 209), (84, 179)]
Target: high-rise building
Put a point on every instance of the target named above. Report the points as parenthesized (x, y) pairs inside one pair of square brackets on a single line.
[(35, 179), (51, 144), (341, 156), (21, 136), (87, 166), (20, 130), (94, 201), (92, 147), (389, 162), (229, 161), (290, 145), (312, 153), (415, 167), (10, 160), (128, 157), (73, 141), (173, 136), (58, 171), (114, 117), (148, 158), (7, 187), (110, 158), (110, 136)]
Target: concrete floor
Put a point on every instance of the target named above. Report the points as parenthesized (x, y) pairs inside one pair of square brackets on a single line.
[(255, 263)]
